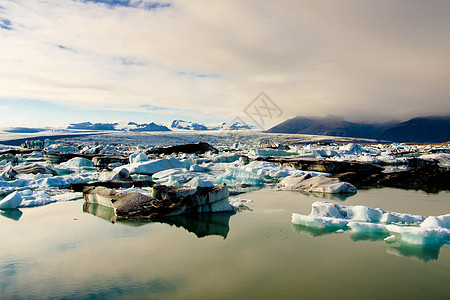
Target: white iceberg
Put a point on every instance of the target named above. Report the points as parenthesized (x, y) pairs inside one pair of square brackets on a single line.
[(317, 184), (151, 167), (362, 219), (239, 176), (11, 201), (77, 163), (118, 173), (137, 157)]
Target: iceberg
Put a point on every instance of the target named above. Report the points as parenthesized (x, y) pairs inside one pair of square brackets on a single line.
[(11, 201), (361, 219), (77, 163), (165, 201), (197, 168), (153, 166), (317, 184), (239, 176), (118, 173), (137, 157)]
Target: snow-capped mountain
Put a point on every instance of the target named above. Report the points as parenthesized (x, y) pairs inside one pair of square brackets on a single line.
[(187, 125)]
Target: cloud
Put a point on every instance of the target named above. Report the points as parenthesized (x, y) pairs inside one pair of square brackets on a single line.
[(366, 60)]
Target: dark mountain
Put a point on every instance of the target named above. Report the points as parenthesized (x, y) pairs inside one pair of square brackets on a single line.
[(333, 126), (147, 127), (423, 129), (426, 129), (24, 130), (131, 126), (90, 126)]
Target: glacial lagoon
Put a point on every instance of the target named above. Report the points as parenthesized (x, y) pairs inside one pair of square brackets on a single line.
[(71, 250)]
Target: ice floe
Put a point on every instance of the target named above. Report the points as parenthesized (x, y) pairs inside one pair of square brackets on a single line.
[(412, 229), (317, 184)]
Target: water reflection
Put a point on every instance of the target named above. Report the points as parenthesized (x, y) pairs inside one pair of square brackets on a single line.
[(420, 252), (103, 212), (316, 231), (200, 224), (423, 253), (363, 236), (156, 287), (328, 196), (13, 214)]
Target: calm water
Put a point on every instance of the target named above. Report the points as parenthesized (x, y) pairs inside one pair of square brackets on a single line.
[(63, 251)]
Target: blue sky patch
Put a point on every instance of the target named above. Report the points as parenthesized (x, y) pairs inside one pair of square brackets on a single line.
[(200, 75), (152, 107), (5, 24), (127, 3), (130, 62)]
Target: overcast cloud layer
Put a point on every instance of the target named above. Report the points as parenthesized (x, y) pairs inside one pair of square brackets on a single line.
[(364, 60)]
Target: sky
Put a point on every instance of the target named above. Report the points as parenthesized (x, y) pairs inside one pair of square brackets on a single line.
[(67, 61)]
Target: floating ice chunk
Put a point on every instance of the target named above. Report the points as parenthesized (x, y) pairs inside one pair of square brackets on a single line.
[(318, 222), (238, 203), (317, 184), (64, 181), (153, 166), (137, 157), (366, 227), (37, 198), (119, 173), (326, 209), (67, 197), (442, 158), (11, 201), (365, 214), (179, 174), (432, 230), (220, 167), (360, 213), (440, 221), (35, 155), (263, 168), (239, 176), (62, 148), (8, 172), (419, 235), (390, 239), (352, 148), (226, 158), (197, 168), (197, 181), (325, 153), (264, 152), (77, 162)]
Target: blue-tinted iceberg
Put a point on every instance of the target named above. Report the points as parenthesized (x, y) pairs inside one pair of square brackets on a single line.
[(412, 229)]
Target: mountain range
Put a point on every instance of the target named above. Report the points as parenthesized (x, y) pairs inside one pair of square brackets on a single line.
[(175, 125), (422, 129)]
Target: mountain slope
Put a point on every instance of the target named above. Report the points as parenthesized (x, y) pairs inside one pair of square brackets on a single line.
[(424, 129), (429, 129)]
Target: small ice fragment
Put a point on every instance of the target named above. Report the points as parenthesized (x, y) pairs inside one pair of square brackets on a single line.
[(390, 239), (11, 201)]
